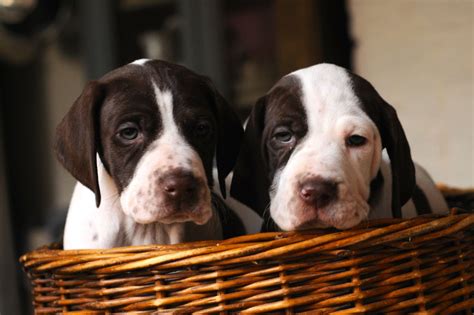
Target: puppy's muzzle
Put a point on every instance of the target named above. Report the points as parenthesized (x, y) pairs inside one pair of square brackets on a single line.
[(181, 189), (317, 192)]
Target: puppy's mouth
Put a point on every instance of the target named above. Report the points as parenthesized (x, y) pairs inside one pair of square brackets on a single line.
[(199, 215), (344, 213), (340, 215), (175, 196), (161, 210), (309, 218), (303, 197)]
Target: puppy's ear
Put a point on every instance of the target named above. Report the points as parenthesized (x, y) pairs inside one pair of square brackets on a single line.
[(250, 182), (393, 139), (77, 138), (403, 169), (229, 137)]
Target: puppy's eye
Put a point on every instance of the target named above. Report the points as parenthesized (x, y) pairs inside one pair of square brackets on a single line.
[(283, 135), (203, 128), (129, 131), (355, 141)]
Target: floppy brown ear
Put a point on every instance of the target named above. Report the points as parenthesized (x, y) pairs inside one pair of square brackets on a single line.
[(393, 139), (229, 137), (398, 149), (77, 138), (250, 183)]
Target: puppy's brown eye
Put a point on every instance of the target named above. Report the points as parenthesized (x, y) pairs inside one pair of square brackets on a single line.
[(356, 141), (283, 135), (129, 131), (203, 129)]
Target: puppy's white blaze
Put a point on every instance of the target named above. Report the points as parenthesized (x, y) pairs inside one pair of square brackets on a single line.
[(333, 113), (164, 100), (143, 199), (140, 62)]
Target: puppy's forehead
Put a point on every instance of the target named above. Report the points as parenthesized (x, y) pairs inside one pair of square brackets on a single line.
[(164, 75), (125, 79), (135, 86), (328, 90), (175, 78)]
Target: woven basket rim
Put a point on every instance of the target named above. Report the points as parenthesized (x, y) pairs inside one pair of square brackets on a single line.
[(258, 246), (452, 191), (56, 248)]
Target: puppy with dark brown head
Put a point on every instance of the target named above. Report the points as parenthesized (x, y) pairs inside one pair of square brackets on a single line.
[(141, 141), (323, 149)]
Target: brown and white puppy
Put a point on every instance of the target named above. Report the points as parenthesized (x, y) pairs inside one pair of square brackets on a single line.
[(312, 155), (141, 141)]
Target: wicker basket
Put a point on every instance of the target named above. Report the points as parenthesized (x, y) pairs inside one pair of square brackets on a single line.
[(458, 197), (425, 264)]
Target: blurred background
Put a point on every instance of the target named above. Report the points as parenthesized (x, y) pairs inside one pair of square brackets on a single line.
[(417, 53)]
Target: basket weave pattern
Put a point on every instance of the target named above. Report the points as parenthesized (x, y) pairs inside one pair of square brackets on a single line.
[(425, 264)]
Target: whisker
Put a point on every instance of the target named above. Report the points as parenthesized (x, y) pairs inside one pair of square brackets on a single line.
[(116, 200), (115, 195), (268, 223)]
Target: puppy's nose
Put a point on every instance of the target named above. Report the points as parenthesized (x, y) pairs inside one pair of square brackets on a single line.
[(180, 185), (318, 192)]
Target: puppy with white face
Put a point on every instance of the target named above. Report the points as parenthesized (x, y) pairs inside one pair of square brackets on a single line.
[(312, 155), (141, 141)]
